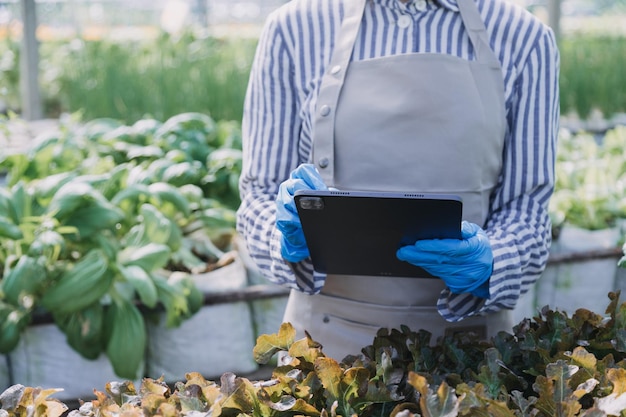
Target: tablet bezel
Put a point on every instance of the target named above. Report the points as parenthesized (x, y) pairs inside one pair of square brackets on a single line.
[(358, 232)]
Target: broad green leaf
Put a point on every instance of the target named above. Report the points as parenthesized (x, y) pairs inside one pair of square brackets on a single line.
[(583, 358), (560, 373), (443, 403), (354, 384), (142, 283), (306, 349), (564, 402), (490, 373), (301, 407), (545, 401), (525, 405), (157, 225), (268, 345), (330, 373), (473, 398), (150, 257), (173, 299), (239, 394), (418, 382), (378, 393)]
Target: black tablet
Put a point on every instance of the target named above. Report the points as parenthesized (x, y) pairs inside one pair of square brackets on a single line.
[(358, 233)]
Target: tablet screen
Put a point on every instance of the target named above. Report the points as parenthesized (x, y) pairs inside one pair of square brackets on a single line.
[(358, 233)]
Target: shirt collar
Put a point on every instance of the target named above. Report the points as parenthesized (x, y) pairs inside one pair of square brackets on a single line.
[(450, 5), (447, 4)]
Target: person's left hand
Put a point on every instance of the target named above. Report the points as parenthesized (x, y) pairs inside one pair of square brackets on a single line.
[(293, 243), (465, 264)]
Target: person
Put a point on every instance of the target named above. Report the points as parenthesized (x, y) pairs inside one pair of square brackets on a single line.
[(449, 96)]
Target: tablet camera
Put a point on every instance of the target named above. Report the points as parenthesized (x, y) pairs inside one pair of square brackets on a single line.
[(311, 203)]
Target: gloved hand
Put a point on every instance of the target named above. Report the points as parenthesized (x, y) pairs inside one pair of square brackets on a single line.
[(465, 265), (293, 244)]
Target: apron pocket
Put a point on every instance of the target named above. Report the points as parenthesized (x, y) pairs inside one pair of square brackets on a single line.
[(340, 336)]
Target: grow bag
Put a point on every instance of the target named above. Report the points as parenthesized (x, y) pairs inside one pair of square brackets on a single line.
[(218, 338), (44, 359), (568, 286)]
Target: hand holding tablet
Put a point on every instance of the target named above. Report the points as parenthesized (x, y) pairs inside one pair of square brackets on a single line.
[(358, 233)]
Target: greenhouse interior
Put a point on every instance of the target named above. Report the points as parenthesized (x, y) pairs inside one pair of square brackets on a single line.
[(131, 284)]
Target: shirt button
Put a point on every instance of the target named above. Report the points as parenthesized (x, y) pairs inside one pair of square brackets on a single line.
[(404, 21), (325, 110), (334, 70), (420, 5), (323, 162)]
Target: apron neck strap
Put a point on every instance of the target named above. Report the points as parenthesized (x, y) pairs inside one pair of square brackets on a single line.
[(477, 33), (324, 152), (323, 155)]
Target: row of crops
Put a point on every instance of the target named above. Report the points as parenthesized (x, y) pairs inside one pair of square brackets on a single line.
[(167, 75)]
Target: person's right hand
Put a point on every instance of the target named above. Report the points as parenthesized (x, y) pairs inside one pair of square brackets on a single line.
[(293, 244)]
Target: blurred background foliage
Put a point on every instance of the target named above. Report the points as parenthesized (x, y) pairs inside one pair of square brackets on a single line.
[(136, 59)]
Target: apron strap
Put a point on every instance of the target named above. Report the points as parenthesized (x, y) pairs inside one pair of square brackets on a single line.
[(477, 33), (323, 154), (332, 81)]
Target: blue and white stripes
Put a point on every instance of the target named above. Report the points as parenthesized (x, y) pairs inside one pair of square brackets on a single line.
[(294, 50)]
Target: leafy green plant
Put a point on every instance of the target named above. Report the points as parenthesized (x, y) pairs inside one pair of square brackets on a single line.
[(169, 75), (590, 189), (587, 83), (160, 77), (96, 218), (552, 365)]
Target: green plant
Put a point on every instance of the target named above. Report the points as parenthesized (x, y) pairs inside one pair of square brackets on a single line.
[(586, 81), (94, 220), (553, 365), (9, 74), (590, 189), (168, 75), (160, 77)]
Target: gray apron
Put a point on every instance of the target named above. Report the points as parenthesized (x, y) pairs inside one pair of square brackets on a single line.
[(417, 122)]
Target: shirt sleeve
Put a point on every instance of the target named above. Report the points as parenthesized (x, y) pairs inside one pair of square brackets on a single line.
[(519, 226), (270, 129)]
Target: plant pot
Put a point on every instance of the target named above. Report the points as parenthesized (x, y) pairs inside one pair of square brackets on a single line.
[(217, 339), (5, 377), (267, 314), (44, 359), (571, 285)]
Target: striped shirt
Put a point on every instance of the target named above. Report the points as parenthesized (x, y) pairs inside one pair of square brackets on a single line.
[(294, 49)]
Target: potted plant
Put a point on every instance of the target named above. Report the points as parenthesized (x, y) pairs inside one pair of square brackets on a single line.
[(104, 206), (552, 365), (587, 209)]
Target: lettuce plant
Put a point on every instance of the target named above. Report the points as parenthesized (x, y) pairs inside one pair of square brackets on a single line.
[(590, 189), (550, 365)]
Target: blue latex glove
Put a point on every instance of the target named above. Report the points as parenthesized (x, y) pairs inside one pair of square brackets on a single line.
[(465, 265), (293, 244)]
